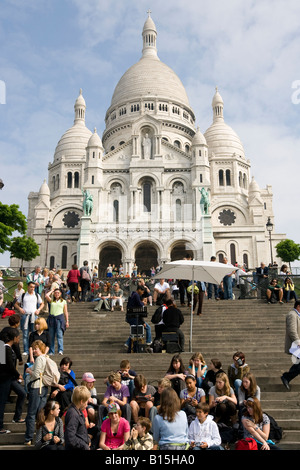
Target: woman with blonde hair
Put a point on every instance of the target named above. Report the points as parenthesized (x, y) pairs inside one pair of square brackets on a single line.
[(198, 367), (40, 333), (170, 426), (222, 400)]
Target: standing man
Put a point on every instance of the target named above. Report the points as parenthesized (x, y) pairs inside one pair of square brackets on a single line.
[(85, 279), (135, 301), (212, 287), (38, 279), (227, 283), (292, 335), (29, 305)]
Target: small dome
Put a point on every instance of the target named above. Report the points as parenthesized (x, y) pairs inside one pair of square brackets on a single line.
[(253, 186), (44, 189), (199, 138), (217, 98), (80, 100), (94, 140)]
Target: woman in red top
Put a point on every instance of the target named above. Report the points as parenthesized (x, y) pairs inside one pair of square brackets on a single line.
[(72, 280)]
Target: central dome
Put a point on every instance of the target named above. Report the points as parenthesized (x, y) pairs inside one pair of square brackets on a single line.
[(149, 77)]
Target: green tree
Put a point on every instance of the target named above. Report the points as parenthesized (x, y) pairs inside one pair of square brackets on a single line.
[(24, 248), (288, 251), (11, 220)]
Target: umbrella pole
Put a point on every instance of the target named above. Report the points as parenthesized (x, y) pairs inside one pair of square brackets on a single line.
[(192, 308)]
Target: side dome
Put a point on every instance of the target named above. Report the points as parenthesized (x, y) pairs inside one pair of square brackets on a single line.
[(74, 141), (221, 139), (199, 138)]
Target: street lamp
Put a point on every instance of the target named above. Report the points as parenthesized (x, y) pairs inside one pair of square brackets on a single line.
[(269, 226), (1, 184), (48, 229)]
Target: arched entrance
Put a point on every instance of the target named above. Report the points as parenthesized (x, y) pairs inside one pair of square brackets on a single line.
[(110, 254), (179, 251), (146, 257)]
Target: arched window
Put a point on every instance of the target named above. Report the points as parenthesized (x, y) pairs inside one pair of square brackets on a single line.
[(53, 182), (245, 260), (52, 262), (57, 181), (221, 177), (228, 178), (116, 211), (177, 144), (221, 257), (76, 179), (64, 254), (147, 197), (69, 181), (232, 253), (178, 210)]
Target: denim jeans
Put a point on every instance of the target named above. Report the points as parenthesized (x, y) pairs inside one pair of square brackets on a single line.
[(227, 284), (29, 328), (21, 395), (36, 402), (55, 330), (210, 288)]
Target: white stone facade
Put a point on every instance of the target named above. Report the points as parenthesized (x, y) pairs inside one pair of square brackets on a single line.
[(145, 175)]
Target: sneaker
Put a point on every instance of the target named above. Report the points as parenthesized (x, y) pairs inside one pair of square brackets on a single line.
[(61, 353), (18, 421), (285, 383), (126, 346), (27, 443), (25, 353), (5, 431)]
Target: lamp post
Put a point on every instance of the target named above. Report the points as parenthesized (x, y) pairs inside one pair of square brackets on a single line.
[(269, 226), (48, 229)]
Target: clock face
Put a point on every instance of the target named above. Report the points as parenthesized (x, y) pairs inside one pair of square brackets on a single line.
[(71, 219), (227, 217)]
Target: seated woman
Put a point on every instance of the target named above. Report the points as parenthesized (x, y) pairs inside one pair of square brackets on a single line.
[(190, 397), (214, 367), (50, 432), (237, 370), (142, 397), (248, 389), (116, 297), (104, 299), (289, 290), (198, 367), (62, 393), (256, 425), (177, 373), (170, 426), (222, 400), (115, 430)]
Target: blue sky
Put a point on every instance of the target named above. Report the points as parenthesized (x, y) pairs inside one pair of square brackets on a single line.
[(249, 49)]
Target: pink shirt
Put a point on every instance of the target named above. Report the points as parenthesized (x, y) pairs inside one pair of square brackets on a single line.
[(115, 441), (73, 275)]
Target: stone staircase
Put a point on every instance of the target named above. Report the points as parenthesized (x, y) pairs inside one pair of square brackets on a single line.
[(95, 343)]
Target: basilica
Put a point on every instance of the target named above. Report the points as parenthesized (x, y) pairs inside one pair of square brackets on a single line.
[(153, 187)]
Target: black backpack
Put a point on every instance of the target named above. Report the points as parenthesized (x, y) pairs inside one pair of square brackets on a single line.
[(156, 317)]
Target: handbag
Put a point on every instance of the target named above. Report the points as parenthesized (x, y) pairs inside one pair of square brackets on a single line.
[(248, 443)]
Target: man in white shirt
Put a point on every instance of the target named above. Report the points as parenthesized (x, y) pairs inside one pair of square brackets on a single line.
[(29, 305), (161, 290)]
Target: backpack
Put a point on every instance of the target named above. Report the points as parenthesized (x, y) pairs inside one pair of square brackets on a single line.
[(275, 430), (246, 444), (51, 374), (156, 317), (85, 275), (37, 300)]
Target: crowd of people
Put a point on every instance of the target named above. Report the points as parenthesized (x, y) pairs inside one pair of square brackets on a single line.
[(195, 407)]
